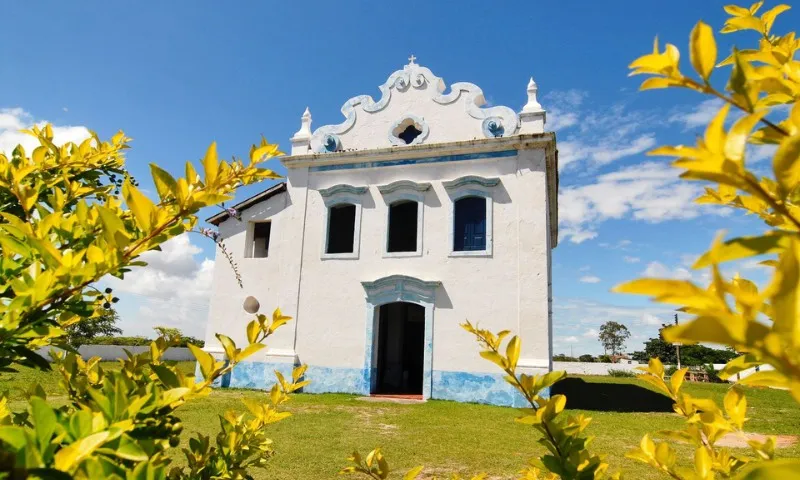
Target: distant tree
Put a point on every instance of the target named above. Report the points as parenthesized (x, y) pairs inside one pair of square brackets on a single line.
[(176, 337), (91, 327), (604, 358), (586, 358), (691, 355), (657, 348), (612, 337)]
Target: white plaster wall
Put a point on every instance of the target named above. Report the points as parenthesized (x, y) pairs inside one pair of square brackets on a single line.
[(272, 280), (508, 290)]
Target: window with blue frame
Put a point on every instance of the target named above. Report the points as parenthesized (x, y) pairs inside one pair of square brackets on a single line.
[(469, 229)]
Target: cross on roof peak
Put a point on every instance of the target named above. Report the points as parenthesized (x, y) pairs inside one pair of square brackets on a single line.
[(411, 59)]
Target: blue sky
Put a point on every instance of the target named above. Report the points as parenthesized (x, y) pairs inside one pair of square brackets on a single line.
[(177, 75)]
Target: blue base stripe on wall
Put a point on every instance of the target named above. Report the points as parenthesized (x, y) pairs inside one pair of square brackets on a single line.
[(486, 388)]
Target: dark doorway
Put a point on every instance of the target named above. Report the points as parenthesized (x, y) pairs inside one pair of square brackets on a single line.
[(401, 348)]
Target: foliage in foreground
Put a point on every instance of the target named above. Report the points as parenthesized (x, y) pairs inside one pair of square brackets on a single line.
[(763, 324), (63, 226)]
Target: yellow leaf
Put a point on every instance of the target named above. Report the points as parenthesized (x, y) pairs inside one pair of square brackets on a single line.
[(204, 359), (744, 247), (769, 16), (702, 50), (784, 292), (512, 351), (413, 473), (166, 185), (715, 132), (724, 331), (647, 445), (495, 358), (141, 206), (95, 254), (665, 455), (735, 406), (210, 164), (786, 164), (736, 10), (676, 380), (738, 134), (228, 345), (249, 350), (766, 378), (784, 469), (252, 331), (702, 462), (678, 292), (69, 457)]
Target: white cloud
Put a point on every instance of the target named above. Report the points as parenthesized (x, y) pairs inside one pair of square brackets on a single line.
[(173, 290), (629, 259), (595, 135), (589, 279), (571, 339), (650, 319), (562, 108), (700, 115), (591, 333), (12, 120), (759, 153), (659, 270), (649, 191), (585, 268)]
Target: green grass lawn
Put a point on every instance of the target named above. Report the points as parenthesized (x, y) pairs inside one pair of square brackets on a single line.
[(449, 437)]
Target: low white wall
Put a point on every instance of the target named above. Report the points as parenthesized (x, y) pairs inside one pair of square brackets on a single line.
[(586, 368), (114, 352), (591, 368)]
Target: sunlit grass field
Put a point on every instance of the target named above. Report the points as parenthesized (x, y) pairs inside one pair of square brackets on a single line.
[(449, 437)]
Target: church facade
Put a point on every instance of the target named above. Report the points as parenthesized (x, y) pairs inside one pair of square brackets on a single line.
[(421, 210)]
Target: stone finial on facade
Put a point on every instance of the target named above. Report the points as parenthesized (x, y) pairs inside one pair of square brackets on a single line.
[(532, 116), (301, 140)]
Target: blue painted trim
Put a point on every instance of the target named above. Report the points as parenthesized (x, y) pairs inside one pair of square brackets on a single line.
[(415, 161), (488, 388)]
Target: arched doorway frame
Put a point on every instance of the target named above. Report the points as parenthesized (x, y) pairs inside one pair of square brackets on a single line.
[(399, 288)]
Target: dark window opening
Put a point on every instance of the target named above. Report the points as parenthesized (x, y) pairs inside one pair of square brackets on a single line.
[(261, 232), (401, 348), (341, 228), (403, 227), (469, 229), (409, 134)]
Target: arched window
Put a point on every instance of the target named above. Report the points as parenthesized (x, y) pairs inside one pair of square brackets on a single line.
[(403, 226), (469, 226), (341, 228)]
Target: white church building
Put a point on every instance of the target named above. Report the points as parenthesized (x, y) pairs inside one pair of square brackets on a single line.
[(419, 211)]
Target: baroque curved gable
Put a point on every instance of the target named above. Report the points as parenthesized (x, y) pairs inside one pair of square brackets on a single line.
[(415, 98)]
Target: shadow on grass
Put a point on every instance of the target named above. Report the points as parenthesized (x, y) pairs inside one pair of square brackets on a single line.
[(610, 397)]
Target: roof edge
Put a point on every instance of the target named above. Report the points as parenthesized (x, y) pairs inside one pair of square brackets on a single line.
[(220, 217)]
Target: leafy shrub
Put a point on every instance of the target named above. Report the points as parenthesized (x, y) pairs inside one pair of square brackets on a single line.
[(124, 341), (63, 227), (604, 358), (586, 358), (615, 372)]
